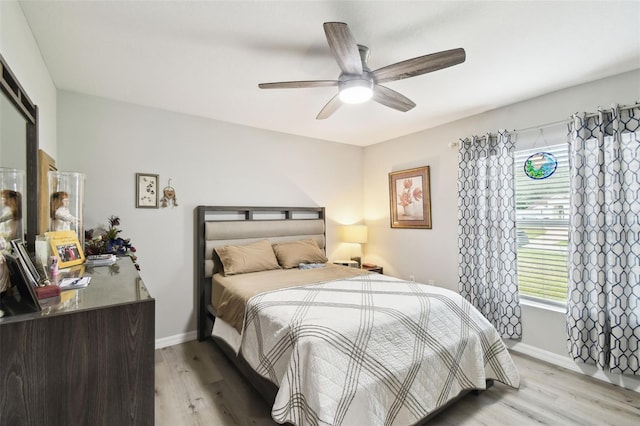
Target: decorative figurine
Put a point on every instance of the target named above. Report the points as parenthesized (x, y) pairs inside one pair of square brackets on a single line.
[(61, 218)]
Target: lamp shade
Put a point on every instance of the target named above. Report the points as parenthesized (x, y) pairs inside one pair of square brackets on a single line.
[(354, 234)]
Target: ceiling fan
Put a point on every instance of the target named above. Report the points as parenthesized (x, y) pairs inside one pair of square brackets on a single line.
[(357, 83)]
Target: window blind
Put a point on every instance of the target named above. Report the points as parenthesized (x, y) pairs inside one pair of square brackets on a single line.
[(542, 221)]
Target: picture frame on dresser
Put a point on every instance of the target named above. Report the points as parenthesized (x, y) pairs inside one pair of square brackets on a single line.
[(66, 247), (410, 198), (19, 276), (20, 250), (147, 190)]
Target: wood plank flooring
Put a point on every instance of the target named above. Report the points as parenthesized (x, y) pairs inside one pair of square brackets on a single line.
[(196, 385)]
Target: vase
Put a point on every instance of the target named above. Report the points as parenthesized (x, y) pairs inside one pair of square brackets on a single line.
[(409, 210), (66, 198)]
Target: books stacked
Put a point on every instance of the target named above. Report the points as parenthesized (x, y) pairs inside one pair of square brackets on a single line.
[(101, 260)]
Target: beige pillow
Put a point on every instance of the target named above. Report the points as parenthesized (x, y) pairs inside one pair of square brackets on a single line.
[(292, 254), (253, 257)]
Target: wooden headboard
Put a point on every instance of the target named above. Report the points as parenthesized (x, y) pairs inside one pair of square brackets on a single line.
[(223, 225)]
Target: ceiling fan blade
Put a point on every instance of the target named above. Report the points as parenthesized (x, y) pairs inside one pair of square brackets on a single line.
[(298, 84), (419, 65), (391, 98), (331, 107), (344, 47)]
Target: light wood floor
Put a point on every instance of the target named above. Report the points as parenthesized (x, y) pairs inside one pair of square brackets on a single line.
[(197, 385)]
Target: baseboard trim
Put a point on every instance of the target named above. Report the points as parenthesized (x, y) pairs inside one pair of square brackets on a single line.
[(176, 339), (627, 382)]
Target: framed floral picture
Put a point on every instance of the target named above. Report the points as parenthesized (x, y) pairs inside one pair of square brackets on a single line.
[(410, 198), (146, 190)]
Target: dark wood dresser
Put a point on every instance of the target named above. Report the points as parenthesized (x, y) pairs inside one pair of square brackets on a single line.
[(86, 360)]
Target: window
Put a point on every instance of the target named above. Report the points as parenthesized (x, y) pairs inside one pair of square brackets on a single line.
[(542, 222)]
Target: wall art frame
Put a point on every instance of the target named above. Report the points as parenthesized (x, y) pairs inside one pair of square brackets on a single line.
[(146, 191), (410, 198)]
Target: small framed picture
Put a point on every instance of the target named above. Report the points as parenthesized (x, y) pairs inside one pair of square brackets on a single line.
[(66, 247), (410, 198), (19, 278), (146, 190), (26, 261)]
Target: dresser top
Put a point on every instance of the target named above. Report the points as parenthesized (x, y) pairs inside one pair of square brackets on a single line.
[(112, 285)]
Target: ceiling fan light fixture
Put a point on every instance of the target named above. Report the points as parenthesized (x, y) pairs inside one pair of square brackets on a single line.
[(357, 83), (356, 91)]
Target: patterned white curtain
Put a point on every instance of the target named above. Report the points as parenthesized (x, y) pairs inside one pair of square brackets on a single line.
[(487, 264), (603, 309)]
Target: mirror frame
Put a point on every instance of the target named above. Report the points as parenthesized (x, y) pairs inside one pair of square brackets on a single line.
[(13, 90)]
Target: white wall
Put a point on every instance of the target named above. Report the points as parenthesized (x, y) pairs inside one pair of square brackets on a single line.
[(432, 254), (19, 49), (210, 163)]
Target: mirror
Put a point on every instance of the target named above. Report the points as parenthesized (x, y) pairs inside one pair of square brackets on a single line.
[(12, 129), (19, 144)]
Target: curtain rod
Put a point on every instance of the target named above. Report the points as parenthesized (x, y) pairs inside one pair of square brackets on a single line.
[(554, 123), (568, 120), (527, 129), (544, 126), (608, 111)]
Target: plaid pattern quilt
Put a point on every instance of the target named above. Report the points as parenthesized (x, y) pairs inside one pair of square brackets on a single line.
[(370, 350)]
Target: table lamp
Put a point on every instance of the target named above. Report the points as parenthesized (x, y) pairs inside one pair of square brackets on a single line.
[(355, 234)]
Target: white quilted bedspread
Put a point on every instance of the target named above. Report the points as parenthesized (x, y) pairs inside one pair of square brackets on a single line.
[(370, 350)]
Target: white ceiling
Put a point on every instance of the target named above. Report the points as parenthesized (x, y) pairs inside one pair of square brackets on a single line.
[(206, 58)]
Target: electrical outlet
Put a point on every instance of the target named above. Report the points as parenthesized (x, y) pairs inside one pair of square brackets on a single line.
[(412, 278), (431, 282)]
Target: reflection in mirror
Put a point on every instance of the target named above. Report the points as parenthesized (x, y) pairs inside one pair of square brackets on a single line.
[(11, 190), (13, 163), (19, 145), (13, 136), (46, 164)]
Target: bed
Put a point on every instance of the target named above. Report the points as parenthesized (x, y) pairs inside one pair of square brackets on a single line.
[(328, 344)]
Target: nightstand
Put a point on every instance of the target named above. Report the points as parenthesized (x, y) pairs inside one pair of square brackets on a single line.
[(373, 268)]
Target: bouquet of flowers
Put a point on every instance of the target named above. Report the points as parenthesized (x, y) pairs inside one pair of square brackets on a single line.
[(409, 195), (108, 241)]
